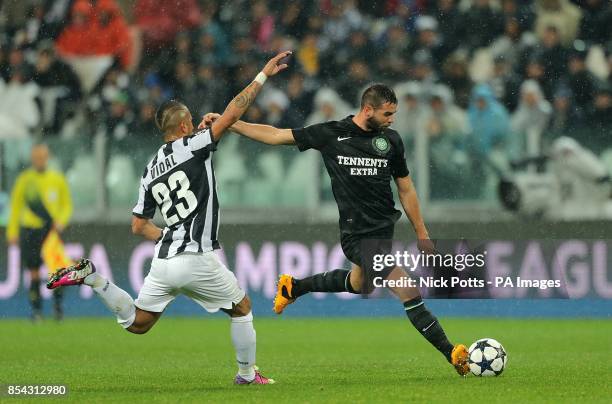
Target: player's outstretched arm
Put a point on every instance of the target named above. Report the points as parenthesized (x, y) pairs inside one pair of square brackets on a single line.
[(264, 133), (410, 202), (243, 101)]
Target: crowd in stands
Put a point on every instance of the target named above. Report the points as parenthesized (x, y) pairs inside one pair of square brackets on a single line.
[(474, 75)]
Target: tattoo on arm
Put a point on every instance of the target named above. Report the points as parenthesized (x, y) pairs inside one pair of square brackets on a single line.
[(247, 96)]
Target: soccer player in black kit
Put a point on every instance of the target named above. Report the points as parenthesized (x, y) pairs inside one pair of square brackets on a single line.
[(362, 154)]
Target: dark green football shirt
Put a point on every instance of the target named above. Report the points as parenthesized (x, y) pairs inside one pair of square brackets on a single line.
[(361, 165)]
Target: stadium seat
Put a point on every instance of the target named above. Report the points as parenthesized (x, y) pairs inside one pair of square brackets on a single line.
[(300, 185), (82, 177), (55, 163), (606, 158), (265, 190), (260, 193), (271, 166), (230, 172), (121, 181)]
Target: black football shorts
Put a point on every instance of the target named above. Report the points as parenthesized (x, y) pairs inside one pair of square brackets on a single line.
[(30, 244), (361, 248)]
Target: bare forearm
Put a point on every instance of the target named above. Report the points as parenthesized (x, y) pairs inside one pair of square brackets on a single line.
[(150, 232), (263, 133), (242, 101), (410, 203)]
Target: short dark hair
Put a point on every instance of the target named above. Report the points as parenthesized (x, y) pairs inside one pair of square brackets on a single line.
[(378, 94), (167, 117)]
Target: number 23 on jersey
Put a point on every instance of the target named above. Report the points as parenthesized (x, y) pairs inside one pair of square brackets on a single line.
[(183, 200)]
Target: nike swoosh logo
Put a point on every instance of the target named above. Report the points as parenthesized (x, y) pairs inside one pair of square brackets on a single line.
[(285, 292), (343, 138), (428, 327)]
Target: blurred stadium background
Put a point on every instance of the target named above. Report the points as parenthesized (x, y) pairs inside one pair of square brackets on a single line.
[(505, 108)]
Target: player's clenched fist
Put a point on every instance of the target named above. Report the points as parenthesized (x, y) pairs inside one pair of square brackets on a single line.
[(208, 120)]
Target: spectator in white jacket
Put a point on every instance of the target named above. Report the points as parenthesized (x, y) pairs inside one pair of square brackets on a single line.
[(530, 120), (328, 106), (411, 110), (19, 112), (561, 14)]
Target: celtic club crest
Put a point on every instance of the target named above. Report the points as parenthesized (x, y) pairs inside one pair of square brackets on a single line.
[(381, 145)]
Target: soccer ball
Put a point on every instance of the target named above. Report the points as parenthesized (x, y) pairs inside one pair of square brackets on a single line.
[(487, 357)]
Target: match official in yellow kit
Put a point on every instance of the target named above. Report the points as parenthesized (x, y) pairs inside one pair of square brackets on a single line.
[(40, 202)]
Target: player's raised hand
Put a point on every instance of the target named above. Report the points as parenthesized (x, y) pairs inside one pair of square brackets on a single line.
[(208, 119), (276, 64)]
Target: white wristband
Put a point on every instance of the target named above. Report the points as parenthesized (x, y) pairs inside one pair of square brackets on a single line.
[(261, 78)]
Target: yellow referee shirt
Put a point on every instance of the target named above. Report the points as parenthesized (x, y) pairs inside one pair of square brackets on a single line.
[(32, 189)]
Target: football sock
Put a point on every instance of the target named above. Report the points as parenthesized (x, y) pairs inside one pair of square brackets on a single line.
[(245, 343), (113, 297), (34, 295), (334, 281), (429, 327), (58, 295)]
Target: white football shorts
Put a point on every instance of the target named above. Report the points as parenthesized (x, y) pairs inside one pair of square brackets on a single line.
[(200, 276)]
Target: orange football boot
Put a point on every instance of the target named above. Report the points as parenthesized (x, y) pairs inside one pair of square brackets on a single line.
[(459, 359), (283, 296)]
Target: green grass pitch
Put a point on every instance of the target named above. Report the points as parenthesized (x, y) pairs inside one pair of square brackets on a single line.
[(312, 360)]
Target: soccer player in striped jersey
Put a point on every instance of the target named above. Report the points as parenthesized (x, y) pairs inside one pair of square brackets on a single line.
[(180, 181)]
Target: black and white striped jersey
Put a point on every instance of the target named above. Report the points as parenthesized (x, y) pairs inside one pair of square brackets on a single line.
[(180, 181)]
